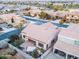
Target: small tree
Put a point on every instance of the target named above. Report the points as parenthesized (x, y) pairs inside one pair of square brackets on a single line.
[(41, 50), (49, 5), (61, 21), (48, 17), (42, 14), (13, 38), (27, 14), (3, 57), (1, 29), (35, 54), (57, 7), (27, 9)]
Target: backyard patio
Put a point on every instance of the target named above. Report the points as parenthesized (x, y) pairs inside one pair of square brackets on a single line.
[(29, 48), (27, 44)]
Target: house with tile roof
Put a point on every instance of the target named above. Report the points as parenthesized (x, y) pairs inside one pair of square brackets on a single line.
[(68, 43), (43, 36), (10, 18)]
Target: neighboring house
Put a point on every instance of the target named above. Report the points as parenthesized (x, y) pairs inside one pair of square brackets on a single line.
[(74, 27), (72, 18), (58, 4), (67, 44), (35, 12), (10, 18), (43, 36), (1, 20)]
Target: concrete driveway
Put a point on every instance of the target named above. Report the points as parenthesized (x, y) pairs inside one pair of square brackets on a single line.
[(52, 56)]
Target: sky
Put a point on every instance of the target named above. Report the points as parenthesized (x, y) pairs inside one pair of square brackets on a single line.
[(40, 0)]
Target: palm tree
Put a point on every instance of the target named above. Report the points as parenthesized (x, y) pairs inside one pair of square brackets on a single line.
[(12, 20)]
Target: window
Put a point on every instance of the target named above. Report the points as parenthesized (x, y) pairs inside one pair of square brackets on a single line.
[(23, 36), (41, 45), (61, 53), (72, 57), (20, 36), (72, 16), (76, 42), (47, 46)]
